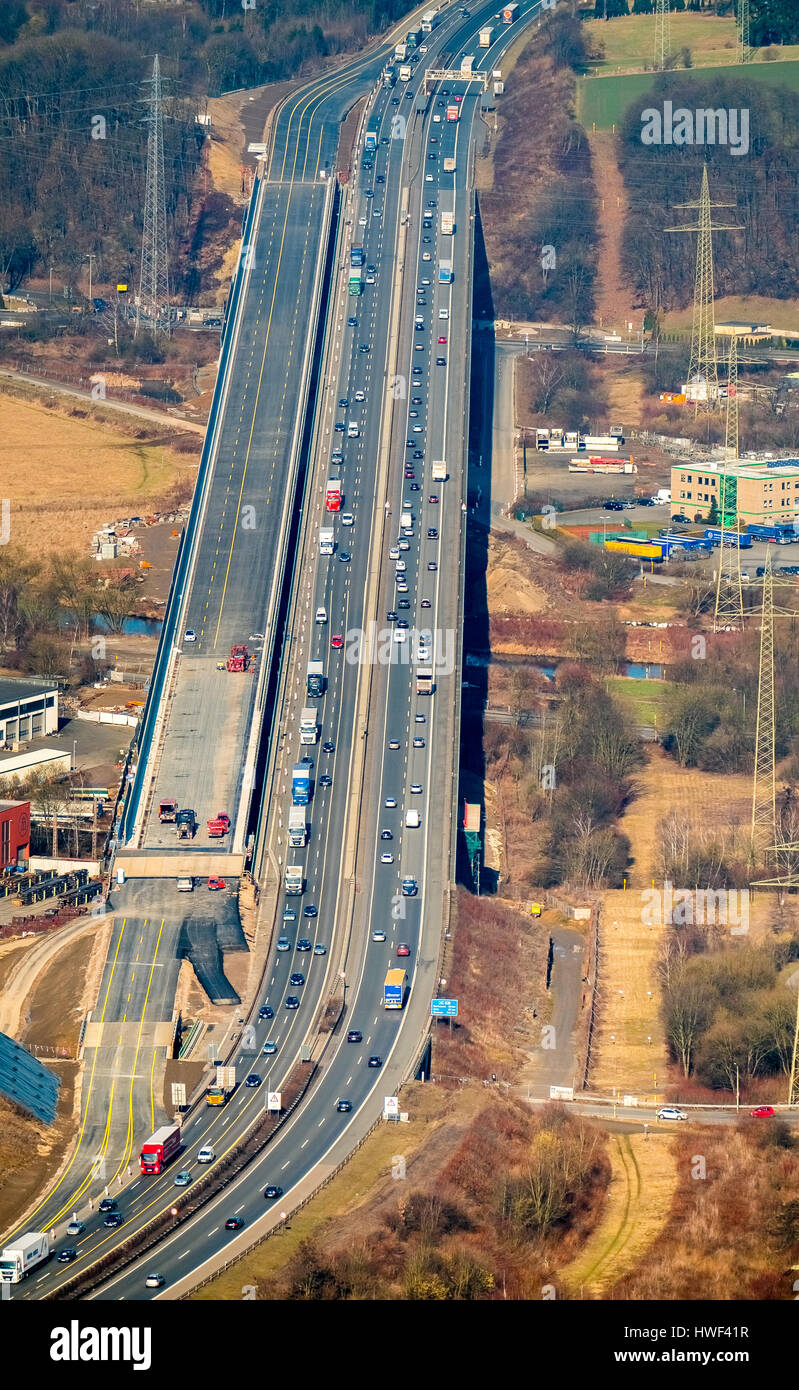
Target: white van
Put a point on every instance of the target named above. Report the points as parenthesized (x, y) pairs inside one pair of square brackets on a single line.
[(321, 615), (352, 430), (413, 820)]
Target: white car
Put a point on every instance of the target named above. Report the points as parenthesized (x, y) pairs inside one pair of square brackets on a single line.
[(399, 634), (393, 553), (387, 858), (321, 615), (428, 178), (189, 635), (426, 256), (154, 1281), (671, 1112), (437, 118), (425, 282), (347, 519), (443, 313), (360, 395), (404, 545), (206, 1155), (402, 587), (361, 221), (378, 936), (400, 565)]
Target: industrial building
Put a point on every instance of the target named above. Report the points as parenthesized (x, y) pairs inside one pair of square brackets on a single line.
[(756, 491), (15, 832), (27, 711)]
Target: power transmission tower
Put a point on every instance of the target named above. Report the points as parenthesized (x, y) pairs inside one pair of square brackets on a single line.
[(153, 301), (764, 798), (662, 33), (703, 366), (793, 1084), (731, 444), (729, 610), (742, 17)]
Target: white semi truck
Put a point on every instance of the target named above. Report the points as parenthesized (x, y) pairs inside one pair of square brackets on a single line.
[(25, 1254)]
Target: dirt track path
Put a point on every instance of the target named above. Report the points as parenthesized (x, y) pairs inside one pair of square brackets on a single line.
[(636, 1209)]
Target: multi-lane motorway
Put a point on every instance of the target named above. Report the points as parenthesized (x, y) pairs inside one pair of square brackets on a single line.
[(392, 749)]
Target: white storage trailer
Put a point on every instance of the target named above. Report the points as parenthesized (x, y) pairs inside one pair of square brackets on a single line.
[(25, 1254)]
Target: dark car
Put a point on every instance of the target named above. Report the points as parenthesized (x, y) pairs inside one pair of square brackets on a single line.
[(391, 616), (325, 780), (343, 1106), (403, 603), (303, 944), (375, 1062), (432, 533), (645, 502), (296, 979), (402, 623), (355, 1035), (114, 1218), (292, 1002), (253, 1080), (310, 911), (344, 556), (271, 1191), (343, 403), (613, 506), (328, 747), (441, 361), (108, 1204), (681, 519), (67, 1255), (351, 321), (364, 347), (418, 453), (266, 1011), (234, 1223), (386, 835), (416, 487)]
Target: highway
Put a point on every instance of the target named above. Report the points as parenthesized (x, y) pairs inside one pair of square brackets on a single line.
[(370, 702)]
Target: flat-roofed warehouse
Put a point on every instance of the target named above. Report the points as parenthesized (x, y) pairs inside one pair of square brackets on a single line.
[(27, 711), (755, 490)]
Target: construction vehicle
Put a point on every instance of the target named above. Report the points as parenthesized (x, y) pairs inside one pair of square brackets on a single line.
[(239, 658), (167, 810), (186, 823), (219, 826)]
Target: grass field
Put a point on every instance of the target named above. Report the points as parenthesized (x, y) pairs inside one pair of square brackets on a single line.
[(629, 42), (602, 101), (642, 700), (66, 476)]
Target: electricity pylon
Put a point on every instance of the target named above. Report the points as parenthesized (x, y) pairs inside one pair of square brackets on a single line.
[(662, 33), (764, 797), (153, 301), (793, 1083), (731, 444), (703, 365), (742, 18), (729, 610)]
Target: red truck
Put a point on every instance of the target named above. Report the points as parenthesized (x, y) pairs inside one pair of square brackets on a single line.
[(239, 658), (159, 1148), (167, 810), (220, 825)]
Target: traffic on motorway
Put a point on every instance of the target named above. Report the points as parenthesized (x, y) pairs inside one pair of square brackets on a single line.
[(410, 192)]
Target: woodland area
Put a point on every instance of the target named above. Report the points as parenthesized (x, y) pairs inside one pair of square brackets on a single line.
[(72, 140)]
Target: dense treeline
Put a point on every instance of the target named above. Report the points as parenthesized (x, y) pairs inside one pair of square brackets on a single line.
[(726, 1016), (541, 223), (73, 186), (762, 188)]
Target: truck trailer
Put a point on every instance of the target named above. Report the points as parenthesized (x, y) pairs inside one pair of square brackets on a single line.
[(315, 679), (23, 1255), (301, 782), (440, 473), (298, 827), (309, 727), (159, 1148), (424, 680), (447, 223), (294, 880), (327, 542), (484, 39)]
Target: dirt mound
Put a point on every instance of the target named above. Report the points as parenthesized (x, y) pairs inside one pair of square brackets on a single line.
[(511, 592)]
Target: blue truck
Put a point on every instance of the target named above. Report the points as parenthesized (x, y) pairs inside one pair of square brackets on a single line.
[(779, 535), (370, 141), (731, 538), (301, 782), (394, 989)]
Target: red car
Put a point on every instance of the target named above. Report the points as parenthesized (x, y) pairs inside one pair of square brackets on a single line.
[(442, 340), (215, 883), (762, 1112), (432, 497), (337, 641), (403, 949)]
